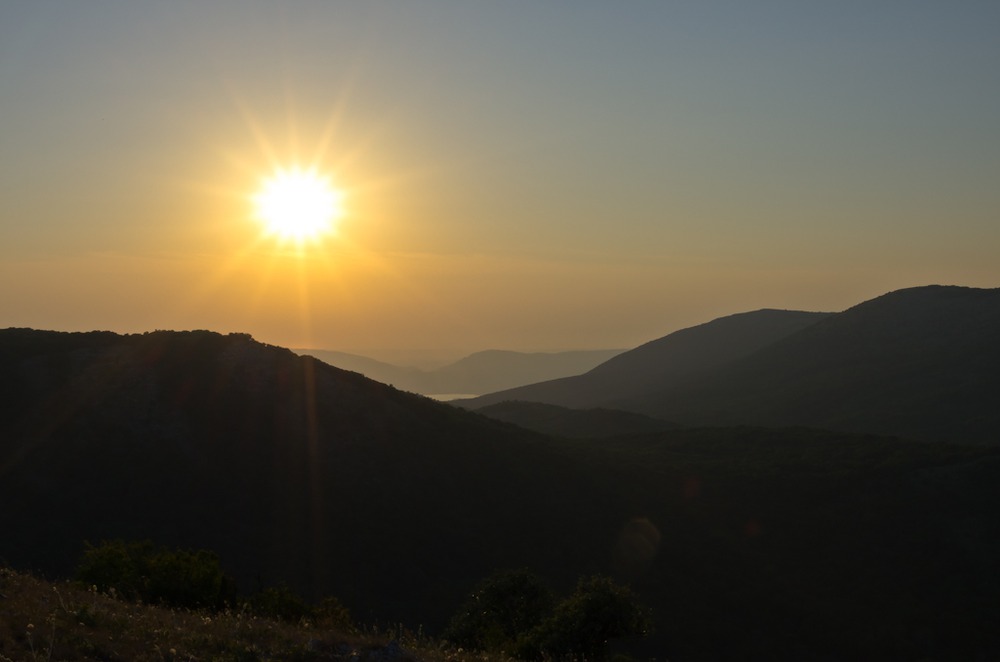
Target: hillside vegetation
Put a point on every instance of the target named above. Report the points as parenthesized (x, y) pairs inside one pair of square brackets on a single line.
[(573, 423), (290, 469), (71, 622), (745, 542)]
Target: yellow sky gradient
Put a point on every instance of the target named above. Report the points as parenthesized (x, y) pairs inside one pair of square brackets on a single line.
[(517, 177)]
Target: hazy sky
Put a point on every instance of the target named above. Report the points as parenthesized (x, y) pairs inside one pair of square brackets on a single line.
[(518, 175)]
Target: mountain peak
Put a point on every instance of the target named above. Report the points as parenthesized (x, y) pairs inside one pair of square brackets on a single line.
[(659, 363), (920, 362)]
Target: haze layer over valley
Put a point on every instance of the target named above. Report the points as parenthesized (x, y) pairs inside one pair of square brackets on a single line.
[(478, 373)]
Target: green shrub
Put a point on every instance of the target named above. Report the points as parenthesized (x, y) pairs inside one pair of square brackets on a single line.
[(582, 625), (188, 579), (193, 580), (139, 571), (501, 609), (331, 614), (116, 565), (280, 603)]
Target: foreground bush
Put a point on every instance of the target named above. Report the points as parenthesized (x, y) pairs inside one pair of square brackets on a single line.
[(140, 571), (279, 603), (583, 624), (513, 612), (500, 610)]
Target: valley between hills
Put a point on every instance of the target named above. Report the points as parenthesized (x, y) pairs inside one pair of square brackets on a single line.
[(772, 485)]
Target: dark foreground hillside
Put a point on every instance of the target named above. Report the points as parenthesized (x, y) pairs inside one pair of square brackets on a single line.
[(71, 622), (573, 423), (747, 543), (290, 469), (801, 544)]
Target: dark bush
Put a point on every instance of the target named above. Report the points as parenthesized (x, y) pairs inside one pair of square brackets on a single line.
[(582, 625), (501, 609), (280, 603), (139, 571), (331, 614), (189, 579), (116, 565)]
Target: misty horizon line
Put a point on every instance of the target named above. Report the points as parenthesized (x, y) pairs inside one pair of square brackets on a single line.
[(433, 358)]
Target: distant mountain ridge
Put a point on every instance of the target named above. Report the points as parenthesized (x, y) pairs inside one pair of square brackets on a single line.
[(659, 363), (921, 362), (480, 372)]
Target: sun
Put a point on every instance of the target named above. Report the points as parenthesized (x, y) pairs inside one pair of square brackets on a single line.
[(298, 205)]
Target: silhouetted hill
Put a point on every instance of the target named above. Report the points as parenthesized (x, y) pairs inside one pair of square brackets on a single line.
[(402, 377), (747, 543), (921, 363), (481, 372), (662, 362), (289, 468), (573, 423)]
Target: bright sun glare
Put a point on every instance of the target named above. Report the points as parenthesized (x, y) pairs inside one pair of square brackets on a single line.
[(298, 205)]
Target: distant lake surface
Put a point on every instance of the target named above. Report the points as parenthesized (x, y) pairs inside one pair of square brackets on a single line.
[(444, 397)]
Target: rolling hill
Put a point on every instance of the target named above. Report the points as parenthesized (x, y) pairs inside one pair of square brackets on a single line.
[(921, 363), (662, 362), (289, 468), (747, 543)]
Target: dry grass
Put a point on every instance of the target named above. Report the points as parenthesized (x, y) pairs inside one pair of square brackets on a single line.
[(40, 620)]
